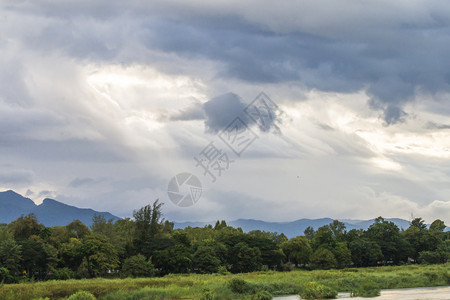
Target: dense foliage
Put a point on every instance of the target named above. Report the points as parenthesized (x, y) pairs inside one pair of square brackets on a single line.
[(147, 246)]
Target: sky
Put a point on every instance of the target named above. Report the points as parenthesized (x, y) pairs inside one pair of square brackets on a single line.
[(103, 103)]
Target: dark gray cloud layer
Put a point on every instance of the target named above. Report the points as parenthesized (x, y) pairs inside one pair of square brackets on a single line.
[(409, 57), (392, 69), (221, 111)]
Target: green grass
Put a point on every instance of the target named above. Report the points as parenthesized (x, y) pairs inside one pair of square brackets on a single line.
[(217, 286), (368, 288)]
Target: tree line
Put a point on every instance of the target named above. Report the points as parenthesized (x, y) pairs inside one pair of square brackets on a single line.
[(148, 245)]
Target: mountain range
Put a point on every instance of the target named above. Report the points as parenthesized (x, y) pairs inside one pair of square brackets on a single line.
[(50, 212), (294, 228), (55, 213)]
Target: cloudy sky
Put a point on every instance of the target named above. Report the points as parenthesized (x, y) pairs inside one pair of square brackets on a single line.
[(102, 103)]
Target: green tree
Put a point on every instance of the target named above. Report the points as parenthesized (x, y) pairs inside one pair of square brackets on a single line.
[(364, 252), (323, 238), (272, 255), (205, 259), (338, 230), (25, 226), (244, 259), (148, 222), (33, 257), (71, 254), (123, 237), (298, 250), (101, 226), (387, 236), (176, 259), (99, 254), (220, 225), (420, 238), (324, 259), (137, 266), (77, 229), (5, 233), (438, 226), (10, 256), (439, 256), (342, 254), (418, 223), (309, 232)]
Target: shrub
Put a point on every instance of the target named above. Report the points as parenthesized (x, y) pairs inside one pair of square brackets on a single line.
[(239, 286), (62, 274), (262, 295), (146, 293), (429, 257), (368, 288), (314, 290), (222, 270), (82, 295), (5, 276), (447, 277)]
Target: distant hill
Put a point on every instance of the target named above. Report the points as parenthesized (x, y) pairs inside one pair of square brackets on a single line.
[(294, 228), (55, 213), (49, 213)]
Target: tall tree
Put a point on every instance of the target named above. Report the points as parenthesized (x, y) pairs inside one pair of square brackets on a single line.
[(148, 222), (101, 226), (338, 230)]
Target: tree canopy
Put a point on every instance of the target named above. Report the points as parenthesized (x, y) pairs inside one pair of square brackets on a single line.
[(148, 245)]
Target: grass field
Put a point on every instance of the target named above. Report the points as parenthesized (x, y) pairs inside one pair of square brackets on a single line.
[(217, 286)]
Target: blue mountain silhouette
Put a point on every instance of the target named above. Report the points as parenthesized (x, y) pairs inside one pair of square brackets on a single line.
[(50, 212)]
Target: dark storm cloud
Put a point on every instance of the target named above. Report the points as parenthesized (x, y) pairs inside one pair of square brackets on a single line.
[(409, 56), (221, 111), (391, 71), (391, 112)]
